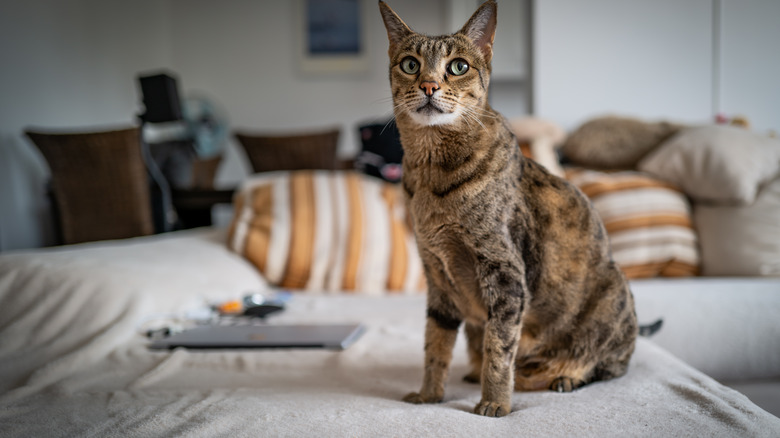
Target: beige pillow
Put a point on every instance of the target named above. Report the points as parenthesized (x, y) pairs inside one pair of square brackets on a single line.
[(648, 222), (741, 240), (614, 142), (716, 164)]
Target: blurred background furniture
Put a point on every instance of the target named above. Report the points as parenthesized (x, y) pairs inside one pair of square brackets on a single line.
[(99, 184), (381, 152), (185, 138), (313, 150), (194, 203), (194, 206)]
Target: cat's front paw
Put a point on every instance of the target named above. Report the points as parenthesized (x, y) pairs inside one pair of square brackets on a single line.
[(492, 409), (418, 399)]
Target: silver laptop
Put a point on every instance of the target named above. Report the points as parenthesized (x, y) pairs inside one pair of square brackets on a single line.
[(330, 336)]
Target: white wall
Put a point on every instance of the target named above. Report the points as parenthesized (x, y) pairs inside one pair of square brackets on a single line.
[(749, 64), (65, 64), (648, 59), (682, 60)]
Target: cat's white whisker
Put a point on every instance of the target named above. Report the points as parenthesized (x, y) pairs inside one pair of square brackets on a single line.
[(469, 113), (481, 111), (383, 99), (391, 121), (465, 118)]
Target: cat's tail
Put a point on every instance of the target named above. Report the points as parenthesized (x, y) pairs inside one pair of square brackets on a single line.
[(650, 329)]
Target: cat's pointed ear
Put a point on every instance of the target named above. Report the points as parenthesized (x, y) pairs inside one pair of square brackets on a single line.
[(481, 28), (397, 30)]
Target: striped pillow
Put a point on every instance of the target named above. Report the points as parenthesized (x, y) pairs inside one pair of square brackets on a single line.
[(326, 231), (648, 222)]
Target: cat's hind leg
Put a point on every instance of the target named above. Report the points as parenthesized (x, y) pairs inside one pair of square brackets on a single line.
[(602, 371), (562, 373), (565, 384), (614, 365), (559, 375)]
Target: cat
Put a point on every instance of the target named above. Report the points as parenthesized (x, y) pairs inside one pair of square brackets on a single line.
[(516, 253)]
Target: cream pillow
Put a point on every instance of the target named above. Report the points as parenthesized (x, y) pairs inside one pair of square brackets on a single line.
[(741, 240), (326, 231), (648, 222), (716, 164)]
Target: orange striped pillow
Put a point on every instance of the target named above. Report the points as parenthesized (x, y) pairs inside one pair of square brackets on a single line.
[(648, 222), (326, 231)]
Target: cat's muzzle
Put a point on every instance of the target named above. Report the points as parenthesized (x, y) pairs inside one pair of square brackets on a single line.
[(429, 108)]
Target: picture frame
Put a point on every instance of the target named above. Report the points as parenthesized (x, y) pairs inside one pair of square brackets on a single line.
[(332, 36)]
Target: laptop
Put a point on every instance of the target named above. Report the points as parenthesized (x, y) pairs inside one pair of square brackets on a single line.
[(329, 336)]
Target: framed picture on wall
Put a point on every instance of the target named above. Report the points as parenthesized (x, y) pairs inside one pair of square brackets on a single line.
[(332, 36)]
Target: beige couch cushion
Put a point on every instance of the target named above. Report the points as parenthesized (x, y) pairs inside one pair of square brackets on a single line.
[(716, 164), (741, 240)]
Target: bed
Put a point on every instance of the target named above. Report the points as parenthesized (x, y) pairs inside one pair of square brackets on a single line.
[(74, 356)]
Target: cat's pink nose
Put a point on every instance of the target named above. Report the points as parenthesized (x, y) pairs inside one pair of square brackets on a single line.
[(429, 87)]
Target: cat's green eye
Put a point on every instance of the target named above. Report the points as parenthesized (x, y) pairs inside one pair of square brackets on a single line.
[(459, 67), (410, 65)]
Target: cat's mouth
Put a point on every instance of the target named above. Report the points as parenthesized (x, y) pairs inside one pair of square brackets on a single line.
[(430, 114), (429, 108)]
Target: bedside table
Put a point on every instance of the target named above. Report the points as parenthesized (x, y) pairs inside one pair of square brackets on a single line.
[(193, 206)]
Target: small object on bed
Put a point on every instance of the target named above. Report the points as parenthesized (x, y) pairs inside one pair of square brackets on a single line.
[(232, 307), (329, 336), (160, 333), (259, 306), (255, 304), (263, 310)]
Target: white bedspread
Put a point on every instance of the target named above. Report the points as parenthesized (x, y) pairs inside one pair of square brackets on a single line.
[(72, 362)]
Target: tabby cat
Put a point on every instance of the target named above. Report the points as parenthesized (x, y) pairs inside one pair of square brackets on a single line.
[(516, 253)]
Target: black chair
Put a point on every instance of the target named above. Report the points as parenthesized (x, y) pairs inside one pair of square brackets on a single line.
[(268, 152), (99, 183)]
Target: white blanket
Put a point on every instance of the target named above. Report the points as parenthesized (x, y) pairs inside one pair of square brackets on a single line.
[(73, 362)]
